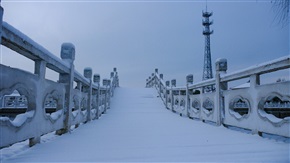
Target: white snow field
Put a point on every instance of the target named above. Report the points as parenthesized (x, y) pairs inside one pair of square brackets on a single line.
[(138, 128)]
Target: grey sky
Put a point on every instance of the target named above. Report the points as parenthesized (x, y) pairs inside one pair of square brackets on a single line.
[(137, 37)]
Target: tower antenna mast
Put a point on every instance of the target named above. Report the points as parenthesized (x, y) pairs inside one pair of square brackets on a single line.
[(207, 67)]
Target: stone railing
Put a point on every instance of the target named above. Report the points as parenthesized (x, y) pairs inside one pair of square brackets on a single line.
[(31, 105), (249, 106)]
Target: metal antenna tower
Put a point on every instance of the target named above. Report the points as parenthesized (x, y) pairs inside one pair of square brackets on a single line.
[(207, 67)]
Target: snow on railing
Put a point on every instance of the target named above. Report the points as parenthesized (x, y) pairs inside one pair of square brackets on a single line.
[(49, 105), (246, 107)]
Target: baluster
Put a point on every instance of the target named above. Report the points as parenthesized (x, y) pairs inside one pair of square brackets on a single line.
[(88, 74), (105, 85), (221, 68), (67, 55), (173, 84), (254, 81), (112, 84), (167, 83), (39, 69), (160, 79), (97, 81), (189, 80), (109, 92)]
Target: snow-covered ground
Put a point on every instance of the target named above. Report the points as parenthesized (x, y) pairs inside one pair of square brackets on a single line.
[(138, 128)]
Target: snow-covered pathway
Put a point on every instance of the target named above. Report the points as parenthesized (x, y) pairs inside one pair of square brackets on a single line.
[(138, 128)]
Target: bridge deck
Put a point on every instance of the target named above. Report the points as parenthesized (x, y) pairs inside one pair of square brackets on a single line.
[(139, 128)]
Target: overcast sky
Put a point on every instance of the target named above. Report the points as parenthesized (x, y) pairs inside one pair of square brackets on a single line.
[(139, 36)]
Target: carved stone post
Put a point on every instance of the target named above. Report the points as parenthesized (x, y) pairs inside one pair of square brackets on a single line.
[(97, 81), (161, 76), (159, 85), (67, 55), (117, 78), (39, 69), (153, 81), (189, 80), (254, 82), (173, 84), (79, 88), (156, 71), (221, 68), (109, 84), (166, 94), (155, 76), (116, 81), (112, 87), (106, 93), (88, 74)]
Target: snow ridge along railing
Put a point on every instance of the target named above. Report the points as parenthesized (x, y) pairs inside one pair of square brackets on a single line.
[(31, 106), (258, 108)]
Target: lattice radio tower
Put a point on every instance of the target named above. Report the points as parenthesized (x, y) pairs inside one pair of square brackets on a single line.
[(207, 67)]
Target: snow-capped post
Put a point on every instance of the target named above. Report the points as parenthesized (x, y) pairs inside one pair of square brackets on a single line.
[(156, 70), (167, 83), (78, 104), (160, 84), (39, 69), (88, 74), (67, 54), (1, 20), (156, 78), (106, 96), (221, 68), (112, 84), (153, 79), (149, 82), (116, 77), (96, 80), (254, 82), (161, 76), (173, 84), (189, 80), (117, 80), (109, 83)]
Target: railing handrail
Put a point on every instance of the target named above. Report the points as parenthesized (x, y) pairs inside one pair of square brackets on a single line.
[(263, 68), (266, 67), (254, 113), (24, 45), (88, 100)]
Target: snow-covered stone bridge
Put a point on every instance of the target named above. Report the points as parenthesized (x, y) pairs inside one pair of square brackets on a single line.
[(138, 128), (81, 118)]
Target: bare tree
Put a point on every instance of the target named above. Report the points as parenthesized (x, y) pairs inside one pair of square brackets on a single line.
[(281, 7)]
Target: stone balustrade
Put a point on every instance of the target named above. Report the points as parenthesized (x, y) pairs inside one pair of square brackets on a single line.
[(249, 107), (31, 105)]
